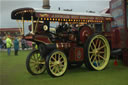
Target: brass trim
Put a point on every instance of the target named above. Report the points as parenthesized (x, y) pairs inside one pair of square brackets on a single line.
[(62, 45), (37, 22), (22, 26), (32, 25), (57, 45)]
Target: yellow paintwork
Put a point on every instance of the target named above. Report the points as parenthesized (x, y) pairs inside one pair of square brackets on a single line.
[(99, 52), (34, 63), (58, 63)]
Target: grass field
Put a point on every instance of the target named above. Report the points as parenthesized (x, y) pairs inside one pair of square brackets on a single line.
[(13, 72)]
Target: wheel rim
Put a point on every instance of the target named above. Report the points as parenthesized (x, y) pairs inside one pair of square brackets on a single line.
[(37, 63), (58, 63), (99, 52)]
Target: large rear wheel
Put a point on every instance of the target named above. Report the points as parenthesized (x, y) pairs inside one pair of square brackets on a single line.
[(56, 63), (97, 52), (35, 63)]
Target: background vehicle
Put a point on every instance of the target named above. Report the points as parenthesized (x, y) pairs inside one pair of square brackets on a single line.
[(119, 28)]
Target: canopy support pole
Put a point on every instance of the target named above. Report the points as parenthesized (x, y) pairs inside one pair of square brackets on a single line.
[(23, 26), (37, 22), (20, 28), (32, 25)]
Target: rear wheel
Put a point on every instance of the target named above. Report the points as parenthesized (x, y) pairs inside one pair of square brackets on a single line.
[(35, 64), (56, 63), (97, 52)]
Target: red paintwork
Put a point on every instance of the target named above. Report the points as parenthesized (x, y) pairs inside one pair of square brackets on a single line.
[(127, 42), (115, 39), (29, 37), (43, 39), (119, 34), (76, 54), (125, 57), (9, 30), (84, 33), (107, 35)]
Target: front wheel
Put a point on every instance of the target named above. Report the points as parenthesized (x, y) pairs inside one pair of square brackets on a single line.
[(35, 63), (97, 52), (56, 63)]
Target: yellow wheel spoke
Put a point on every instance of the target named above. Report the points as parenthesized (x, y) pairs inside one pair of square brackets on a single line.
[(99, 43), (37, 56), (101, 57), (54, 68), (61, 62), (101, 52), (57, 69), (52, 63), (33, 57), (91, 47), (96, 42), (91, 56), (99, 60), (32, 64), (61, 65), (54, 58), (94, 45), (60, 57), (101, 47), (41, 62), (32, 61), (94, 59)]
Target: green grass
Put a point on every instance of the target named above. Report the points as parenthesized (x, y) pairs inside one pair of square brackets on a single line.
[(13, 72)]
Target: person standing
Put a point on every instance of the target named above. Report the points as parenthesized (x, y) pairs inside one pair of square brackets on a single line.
[(1, 43), (16, 46), (23, 41), (4, 43), (8, 44)]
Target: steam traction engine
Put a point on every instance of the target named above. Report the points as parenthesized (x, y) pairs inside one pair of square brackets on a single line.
[(78, 38)]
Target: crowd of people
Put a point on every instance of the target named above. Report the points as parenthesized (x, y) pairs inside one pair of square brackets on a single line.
[(9, 43)]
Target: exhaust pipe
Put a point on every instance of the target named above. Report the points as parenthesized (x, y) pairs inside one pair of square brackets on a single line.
[(46, 4)]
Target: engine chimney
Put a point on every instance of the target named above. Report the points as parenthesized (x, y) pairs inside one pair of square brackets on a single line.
[(46, 4)]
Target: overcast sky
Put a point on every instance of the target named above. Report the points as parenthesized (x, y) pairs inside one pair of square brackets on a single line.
[(6, 7)]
